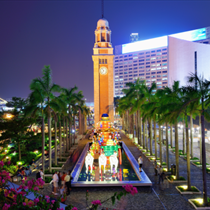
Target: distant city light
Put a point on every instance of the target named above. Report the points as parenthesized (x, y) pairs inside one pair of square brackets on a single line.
[(194, 35)]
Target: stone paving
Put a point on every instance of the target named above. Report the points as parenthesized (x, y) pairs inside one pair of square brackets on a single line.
[(148, 198)]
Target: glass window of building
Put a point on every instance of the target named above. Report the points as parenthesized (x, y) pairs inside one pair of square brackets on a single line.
[(164, 71), (159, 72), (158, 75), (153, 76)]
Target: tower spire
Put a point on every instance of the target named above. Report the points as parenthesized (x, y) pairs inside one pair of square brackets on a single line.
[(102, 8)]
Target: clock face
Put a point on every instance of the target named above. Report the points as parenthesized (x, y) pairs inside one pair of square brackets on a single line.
[(103, 70)]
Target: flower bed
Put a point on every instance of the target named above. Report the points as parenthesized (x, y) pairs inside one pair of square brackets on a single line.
[(198, 203), (184, 190), (172, 179)]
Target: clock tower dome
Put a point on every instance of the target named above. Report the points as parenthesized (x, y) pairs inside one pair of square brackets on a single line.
[(103, 71)]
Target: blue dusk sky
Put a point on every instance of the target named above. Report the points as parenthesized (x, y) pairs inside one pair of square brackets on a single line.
[(60, 33)]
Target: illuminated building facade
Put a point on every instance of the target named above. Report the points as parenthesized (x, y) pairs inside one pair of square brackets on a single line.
[(162, 60), (103, 71)]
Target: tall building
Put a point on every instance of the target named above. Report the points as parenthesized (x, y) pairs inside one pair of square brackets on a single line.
[(103, 71), (162, 60)]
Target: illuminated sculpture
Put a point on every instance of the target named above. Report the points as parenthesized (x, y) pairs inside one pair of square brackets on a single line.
[(89, 162), (102, 161), (114, 161)]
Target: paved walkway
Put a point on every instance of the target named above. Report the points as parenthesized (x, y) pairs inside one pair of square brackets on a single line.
[(148, 198)]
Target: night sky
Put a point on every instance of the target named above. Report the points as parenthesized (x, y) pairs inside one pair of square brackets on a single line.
[(34, 33)]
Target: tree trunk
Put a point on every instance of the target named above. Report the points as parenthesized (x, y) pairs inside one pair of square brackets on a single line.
[(70, 130), (184, 150), (203, 159), (50, 141), (200, 138), (171, 135), (43, 144), (64, 130), (131, 124), (177, 150), (155, 137), (74, 129), (19, 151), (137, 125), (188, 154), (167, 149), (143, 135), (67, 145), (146, 132), (150, 131), (60, 139), (191, 134), (160, 143), (56, 148), (140, 130)]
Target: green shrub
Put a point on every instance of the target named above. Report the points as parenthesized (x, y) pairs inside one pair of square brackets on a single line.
[(11, 169), (48, 179)]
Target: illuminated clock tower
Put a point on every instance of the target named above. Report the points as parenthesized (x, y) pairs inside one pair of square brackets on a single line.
[(103, 71)]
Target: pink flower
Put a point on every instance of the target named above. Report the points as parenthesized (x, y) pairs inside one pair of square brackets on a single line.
[(130, 189), (48, 200), (36, 200), (47, 197), (61, 209), (1, 163), (36, 189), (6, 206), (30, 203), (74, 208), (9, 162), (96, 202), (53, 201), (3, 181), (24, 203)]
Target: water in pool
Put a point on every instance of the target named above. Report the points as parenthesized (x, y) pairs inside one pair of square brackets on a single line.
[(124, 172)]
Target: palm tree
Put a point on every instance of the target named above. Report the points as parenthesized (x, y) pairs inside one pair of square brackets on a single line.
[(47, 88), (204, 99)]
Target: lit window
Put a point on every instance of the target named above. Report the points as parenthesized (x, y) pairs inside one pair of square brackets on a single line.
[(116, 76), (165, 56), (152, 69), (164, 75), (116, 80), (135, 58), (159, 86), (164, 78), (165, 67), (159, 83), (147, 83), (158, 68), (158, 58), (126, 62), (153, 58), (153, 79), (158, 64), (158, 53), (141, 77)]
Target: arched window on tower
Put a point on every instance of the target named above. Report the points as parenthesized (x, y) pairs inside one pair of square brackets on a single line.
[(99, 61), (103, 37), (108, 40), (105, 61)]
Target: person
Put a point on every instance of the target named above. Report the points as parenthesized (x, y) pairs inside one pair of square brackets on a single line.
[(41, 173), (28, 169), (165, 181), (55, 183), (160, 171), (42, 177), (155, 166), (59, 179), (62, 178), (67, 182), (140, 161), (33, 163), (19, 172)]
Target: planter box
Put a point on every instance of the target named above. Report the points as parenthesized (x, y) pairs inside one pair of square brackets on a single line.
[(48, 175), (200, 208), (188, 192), (60, 162), (177, 181), (195, 160)]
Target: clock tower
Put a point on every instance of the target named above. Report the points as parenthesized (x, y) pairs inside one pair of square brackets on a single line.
[(103, 71)]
